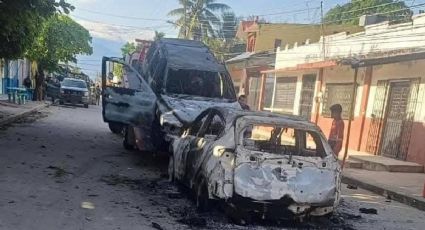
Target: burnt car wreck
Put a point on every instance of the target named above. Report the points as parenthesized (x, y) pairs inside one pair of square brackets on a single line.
[(260, 164), (177, 81)]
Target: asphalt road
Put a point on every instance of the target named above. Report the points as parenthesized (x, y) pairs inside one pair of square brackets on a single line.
[(63, 169)]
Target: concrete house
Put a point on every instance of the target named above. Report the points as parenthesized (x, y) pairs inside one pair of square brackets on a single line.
[(262, 40), (387, 61)]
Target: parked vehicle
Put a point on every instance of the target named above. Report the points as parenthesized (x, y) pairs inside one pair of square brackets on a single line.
[(74, 91), (260, 164), (179, 79)]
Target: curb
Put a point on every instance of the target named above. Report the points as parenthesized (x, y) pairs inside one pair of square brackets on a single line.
[(413, 201), (15, 117)]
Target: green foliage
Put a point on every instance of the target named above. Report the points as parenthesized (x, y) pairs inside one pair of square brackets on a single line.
[(349, 13), (158, 35), (196, 18), (128, 48), (60, 40), (118, 71), (20, 22)]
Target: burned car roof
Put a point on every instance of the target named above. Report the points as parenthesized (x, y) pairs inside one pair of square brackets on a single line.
[(189, 54), (230, 115)]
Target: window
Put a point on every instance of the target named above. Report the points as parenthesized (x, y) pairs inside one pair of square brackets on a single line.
[(254, 92), (283, 141), (269, 88), (277, 43), (285, 94), (337, 94), (199, 83)]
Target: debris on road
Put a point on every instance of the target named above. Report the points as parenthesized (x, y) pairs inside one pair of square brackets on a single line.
[(369, 211), (198, 222), (349, 186), (59, 172), (157, 226)]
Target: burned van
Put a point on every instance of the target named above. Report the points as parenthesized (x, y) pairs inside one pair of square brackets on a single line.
[(185, 79)]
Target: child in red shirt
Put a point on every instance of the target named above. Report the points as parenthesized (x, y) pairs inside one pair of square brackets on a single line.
[(336, 135)]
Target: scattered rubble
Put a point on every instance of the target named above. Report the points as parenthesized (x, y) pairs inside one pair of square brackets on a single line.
[(369, 211)]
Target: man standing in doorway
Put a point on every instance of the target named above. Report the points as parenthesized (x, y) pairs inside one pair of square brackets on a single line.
[(243, 102), (336, 135)]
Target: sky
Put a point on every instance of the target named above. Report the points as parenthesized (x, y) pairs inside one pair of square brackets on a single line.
[(113, 22)]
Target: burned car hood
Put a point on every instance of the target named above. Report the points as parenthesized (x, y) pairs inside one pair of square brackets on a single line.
[(188, 108), (74, 88)]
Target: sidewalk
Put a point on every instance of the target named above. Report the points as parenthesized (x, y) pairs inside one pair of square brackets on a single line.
[(10, 112), (406, 188)]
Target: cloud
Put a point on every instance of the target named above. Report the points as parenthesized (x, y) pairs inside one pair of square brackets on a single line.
[(115, 32)]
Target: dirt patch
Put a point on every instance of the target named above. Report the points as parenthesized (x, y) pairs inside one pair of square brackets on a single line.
[(30, 118), (120, 180)]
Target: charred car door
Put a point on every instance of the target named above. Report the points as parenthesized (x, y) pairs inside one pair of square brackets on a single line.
[(202, 147), (129, 103)]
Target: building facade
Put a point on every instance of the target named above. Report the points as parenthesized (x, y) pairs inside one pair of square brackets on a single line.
[(262, 40), (377, 74), (13, 73)]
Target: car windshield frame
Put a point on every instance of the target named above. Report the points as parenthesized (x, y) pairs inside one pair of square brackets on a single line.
[(321, 149), (227, 92), (74, 83)]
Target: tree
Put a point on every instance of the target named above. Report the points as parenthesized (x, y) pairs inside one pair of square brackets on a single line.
[(20, 21), (128, 48), (196, 18), (225, 45), (349, 13), (60, 40), (228, 26), (158, 35)]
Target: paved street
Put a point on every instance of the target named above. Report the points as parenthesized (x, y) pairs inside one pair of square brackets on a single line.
[(62, 169)]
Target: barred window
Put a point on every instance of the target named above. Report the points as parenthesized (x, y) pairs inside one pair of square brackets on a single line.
[(337, 93), (285, 94)]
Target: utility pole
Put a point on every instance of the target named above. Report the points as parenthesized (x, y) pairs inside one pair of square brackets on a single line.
[(185, 21), (323, 31)]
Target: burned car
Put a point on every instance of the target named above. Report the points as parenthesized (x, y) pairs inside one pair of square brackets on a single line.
[(261, 164), (179, 79)]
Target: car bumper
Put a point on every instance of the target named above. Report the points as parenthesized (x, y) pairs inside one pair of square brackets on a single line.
[(283, 209), (74, 99)]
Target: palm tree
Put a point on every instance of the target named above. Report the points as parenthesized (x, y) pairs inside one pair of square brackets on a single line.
[(196, 18), (158, 35)]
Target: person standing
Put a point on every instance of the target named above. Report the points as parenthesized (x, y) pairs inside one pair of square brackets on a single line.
[(336, 135), (98, 93), (27, 82), (243, 102)]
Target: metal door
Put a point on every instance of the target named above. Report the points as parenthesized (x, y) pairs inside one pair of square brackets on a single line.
[(394, 120), (307, 95)]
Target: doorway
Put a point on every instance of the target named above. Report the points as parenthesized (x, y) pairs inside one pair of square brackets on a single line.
[(307, 95)]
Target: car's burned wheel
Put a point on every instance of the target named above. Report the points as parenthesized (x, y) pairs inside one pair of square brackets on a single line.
[(171, 169), (115, 128), (203, 203), (126, 141)]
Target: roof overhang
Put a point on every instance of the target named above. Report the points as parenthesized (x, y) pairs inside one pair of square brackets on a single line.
[(305, 66)]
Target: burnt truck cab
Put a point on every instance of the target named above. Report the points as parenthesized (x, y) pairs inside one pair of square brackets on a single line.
[(183, 79), (262, 164)]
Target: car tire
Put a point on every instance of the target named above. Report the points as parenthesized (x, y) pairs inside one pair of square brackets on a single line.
[(115, 127), (203, 202), (171, 174), (61, 102), (86, 106), (125, 141)]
